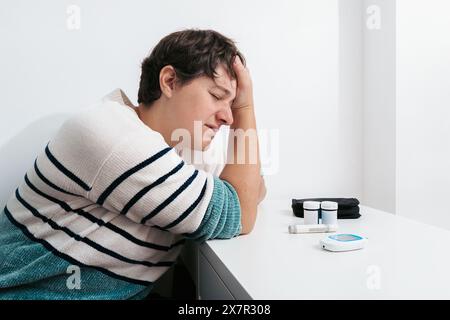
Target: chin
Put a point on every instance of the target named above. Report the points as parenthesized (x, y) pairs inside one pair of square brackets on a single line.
[(206, 147), (201, 145)]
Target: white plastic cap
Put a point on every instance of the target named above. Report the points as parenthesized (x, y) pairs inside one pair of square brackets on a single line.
[(292, 228), (311, 205), (329, 205)]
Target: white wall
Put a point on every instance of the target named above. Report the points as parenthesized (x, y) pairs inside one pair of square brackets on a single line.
[(292, 48), (301, 93), (423, 113), (351, 95), (379, 148), (367, 97), (405, 103)]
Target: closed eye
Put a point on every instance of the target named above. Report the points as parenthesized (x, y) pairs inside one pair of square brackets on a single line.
[(220, 98), (215, 97)]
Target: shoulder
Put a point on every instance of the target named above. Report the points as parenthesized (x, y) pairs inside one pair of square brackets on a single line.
[(107, 121), (99, 130)]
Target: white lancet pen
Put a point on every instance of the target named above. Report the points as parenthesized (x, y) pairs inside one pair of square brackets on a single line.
[(312, 228)]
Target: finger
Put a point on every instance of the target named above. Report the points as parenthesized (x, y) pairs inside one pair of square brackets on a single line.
[(241, 71), (237, 65)]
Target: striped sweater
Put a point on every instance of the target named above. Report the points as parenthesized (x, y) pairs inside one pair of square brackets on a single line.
[(107, 198)]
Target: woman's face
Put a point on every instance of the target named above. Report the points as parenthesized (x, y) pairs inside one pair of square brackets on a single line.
[(202, 106)]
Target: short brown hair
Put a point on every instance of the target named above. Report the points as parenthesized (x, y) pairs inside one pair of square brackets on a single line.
[(192, 53)]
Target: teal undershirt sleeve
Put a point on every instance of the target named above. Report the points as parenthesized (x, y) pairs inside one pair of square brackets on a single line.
[(222, 219)]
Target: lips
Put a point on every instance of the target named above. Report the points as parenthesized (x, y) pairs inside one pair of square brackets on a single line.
[(213, 128)]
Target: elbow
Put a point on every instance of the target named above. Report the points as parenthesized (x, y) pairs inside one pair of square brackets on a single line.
[(246, 230), (248, 222)]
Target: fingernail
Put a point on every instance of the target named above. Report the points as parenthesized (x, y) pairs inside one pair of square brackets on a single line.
[(236, 60)]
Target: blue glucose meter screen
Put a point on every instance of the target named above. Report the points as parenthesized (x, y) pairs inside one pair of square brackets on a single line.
[(345, 237)]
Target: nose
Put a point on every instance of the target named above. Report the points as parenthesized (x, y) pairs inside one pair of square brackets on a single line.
[(225, 116)]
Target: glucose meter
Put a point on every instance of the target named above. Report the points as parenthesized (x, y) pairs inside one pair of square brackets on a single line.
[(343, 242)]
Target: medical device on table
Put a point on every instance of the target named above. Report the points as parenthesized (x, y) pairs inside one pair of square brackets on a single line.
[(343, 242)]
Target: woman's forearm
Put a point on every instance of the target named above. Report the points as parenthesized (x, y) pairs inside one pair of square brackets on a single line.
[(243, 165), (262, 190)]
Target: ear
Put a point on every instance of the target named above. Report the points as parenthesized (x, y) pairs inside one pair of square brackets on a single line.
[(167, 80)]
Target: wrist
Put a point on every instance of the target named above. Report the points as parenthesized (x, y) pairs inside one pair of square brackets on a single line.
[(249, 108), (244, 118)]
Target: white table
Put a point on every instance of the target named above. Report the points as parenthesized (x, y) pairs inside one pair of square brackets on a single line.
[(404, 259)]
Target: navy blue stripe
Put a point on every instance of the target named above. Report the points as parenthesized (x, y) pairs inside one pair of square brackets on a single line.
[(141, 193), (88, 241), (89, 205), (172, 197), (159, 228), (68, 258), (51, 184), (101, 199), (99, 222), (66, 171), (188, 210)]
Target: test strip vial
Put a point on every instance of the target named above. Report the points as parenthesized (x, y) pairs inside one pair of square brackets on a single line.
[(329, 212), (311, 212)]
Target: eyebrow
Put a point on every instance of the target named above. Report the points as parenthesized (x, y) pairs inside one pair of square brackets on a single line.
[(227, 92)]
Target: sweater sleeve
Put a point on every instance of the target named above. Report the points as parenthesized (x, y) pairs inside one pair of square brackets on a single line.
[(148, 182)]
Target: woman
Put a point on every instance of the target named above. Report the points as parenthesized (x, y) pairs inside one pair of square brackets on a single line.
[(105, 209)]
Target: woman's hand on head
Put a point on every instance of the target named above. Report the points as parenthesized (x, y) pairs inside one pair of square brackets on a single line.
[(244, 86)]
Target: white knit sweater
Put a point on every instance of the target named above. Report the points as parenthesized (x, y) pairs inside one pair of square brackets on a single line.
[(106, 187)]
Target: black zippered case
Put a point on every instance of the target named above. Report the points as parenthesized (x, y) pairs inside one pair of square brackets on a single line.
[(348, 208)]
